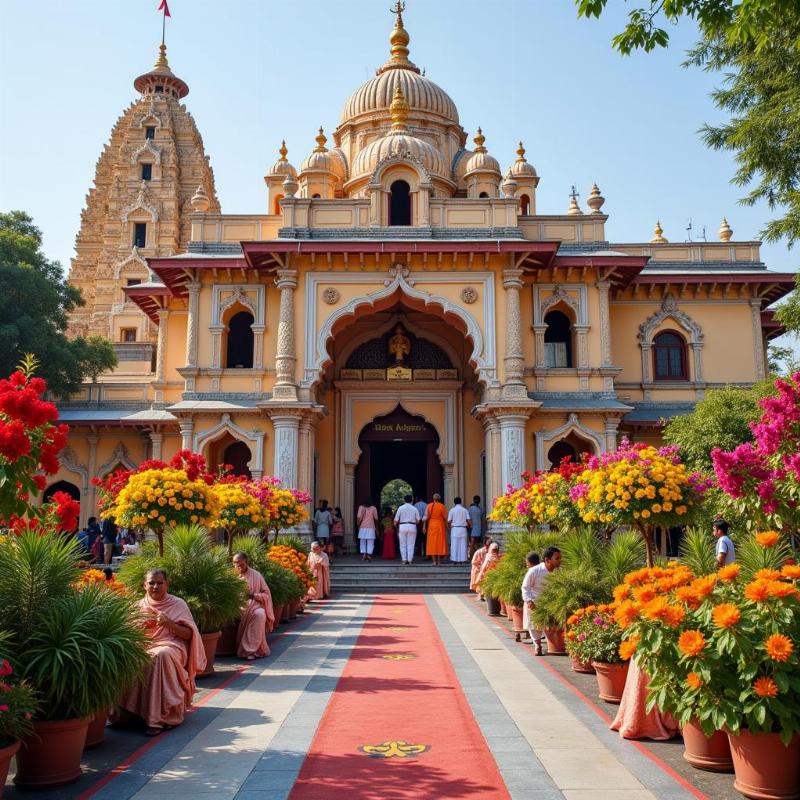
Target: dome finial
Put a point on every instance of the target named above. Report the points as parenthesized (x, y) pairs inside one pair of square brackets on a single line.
[(399, 109), (658, 234), (320, 139), (725, 231), (521, 152), (479, 140), (283, 150), (399, 40), (162, 65)]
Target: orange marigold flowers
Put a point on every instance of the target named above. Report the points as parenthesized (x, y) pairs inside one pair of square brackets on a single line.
[(758, 591), (791, 571), (767, 575), (729, 572), (621, 592), (656, 609), (705, 585), (693, 680), (768, 538), (688, 595), (726, 615), (627, 648), (765, 687), (673, 616), (626, 613), (691, 643), (644, 594), (779, 647), (780, 589)]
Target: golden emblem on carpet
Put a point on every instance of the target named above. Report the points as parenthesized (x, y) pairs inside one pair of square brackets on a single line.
[(399, 656), (394, 749)]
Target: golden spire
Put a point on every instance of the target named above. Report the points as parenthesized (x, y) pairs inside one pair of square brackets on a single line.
[(162, 65), (399, 40), (520, 153), (725, 231), (320, 139), (283, 150), (479, 140), (658, 234), (399, 110)]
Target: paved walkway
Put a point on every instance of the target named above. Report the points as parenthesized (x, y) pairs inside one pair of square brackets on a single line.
[(389, 698)]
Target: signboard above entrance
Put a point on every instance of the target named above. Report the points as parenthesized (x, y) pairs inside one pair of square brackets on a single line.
[(398, 374)]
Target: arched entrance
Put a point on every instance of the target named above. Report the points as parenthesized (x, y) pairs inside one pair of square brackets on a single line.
[(398, 445)]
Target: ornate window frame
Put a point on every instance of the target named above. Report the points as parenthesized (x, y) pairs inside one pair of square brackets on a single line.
[(572, 425), (257, 308), (253, 438), (650, 327)]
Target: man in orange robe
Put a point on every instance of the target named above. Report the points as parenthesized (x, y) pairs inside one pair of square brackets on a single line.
[(320, 565), (177, 654), (258, 616), (435, 525)]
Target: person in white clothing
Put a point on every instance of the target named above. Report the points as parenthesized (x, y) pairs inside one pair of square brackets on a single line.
[(533, 585), (724, 552), (407, 518), (367, 519), (459, 522)]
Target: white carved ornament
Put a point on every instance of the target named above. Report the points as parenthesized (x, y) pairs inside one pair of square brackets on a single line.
[(133, 258), (141, 203), (119, 455), (237, 296), (559, 295), (669, 309), (148, 147)]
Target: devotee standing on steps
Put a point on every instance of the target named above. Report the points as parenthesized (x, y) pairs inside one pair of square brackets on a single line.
[(407, 517), (459, 523), (323, 519), (258, 616), (176, 652), (320, 566), (367, 519), (477, 563), (476, 524), (337, 531), (533, 585), (421, 507), (435, 526)]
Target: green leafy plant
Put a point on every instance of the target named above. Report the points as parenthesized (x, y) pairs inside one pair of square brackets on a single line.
[(77, 648), (567, 589), (593, 635), (289, 540), (17, 701), (198, 572), (697, 551)]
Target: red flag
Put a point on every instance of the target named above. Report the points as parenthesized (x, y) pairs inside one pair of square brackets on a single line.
[(165, 8)]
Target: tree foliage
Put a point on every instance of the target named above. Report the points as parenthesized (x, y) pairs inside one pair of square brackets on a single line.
[(788, 313), (721, 420), (35, 302)]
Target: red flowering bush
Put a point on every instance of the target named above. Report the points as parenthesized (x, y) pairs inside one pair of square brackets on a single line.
[(763, 477), (30, 442)]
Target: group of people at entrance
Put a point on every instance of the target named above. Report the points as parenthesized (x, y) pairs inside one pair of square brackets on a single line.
[(427, 522)]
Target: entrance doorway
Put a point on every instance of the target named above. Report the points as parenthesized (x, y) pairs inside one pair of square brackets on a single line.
[(398, 446)]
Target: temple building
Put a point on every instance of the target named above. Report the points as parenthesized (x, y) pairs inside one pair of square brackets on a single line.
[(400, 307)]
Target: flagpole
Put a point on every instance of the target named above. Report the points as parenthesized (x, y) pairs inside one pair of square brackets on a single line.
[(163, 27)]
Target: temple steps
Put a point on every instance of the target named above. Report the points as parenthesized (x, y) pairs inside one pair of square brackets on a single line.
[(394, 578)]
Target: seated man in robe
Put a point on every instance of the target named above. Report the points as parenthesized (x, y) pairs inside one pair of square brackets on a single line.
[(258, 616), (176, 650), (319, 564)]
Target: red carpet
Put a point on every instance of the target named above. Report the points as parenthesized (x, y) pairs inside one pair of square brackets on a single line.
[(398, 728)]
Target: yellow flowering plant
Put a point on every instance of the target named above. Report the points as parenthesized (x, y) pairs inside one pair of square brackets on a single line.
[(637, 485), (719, 649), (237, 509), (163, 498)]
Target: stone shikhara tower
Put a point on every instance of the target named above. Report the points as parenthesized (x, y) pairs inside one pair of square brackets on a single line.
[(138, 207)]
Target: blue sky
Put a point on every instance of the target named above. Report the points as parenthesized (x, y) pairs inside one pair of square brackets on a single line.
[(262, 71)]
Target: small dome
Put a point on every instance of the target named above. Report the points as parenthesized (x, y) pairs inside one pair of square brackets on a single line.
[(521, 168), (282, 167), (399, 142), (323, 160), (481, 161), (161, 76)]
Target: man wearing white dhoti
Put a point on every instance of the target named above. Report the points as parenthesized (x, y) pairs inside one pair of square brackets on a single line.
[(458, 520), (533, 585), (407, 518)]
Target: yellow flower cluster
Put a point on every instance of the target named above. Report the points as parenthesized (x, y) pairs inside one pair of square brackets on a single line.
[(286, 510), (237, 508), (159, 498), (293, 560), (641, 488)]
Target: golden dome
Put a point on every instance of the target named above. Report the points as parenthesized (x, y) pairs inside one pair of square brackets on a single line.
[(323, 160), (282, 166), (421, 94), (399, 142), (481, 161), (521, 168)]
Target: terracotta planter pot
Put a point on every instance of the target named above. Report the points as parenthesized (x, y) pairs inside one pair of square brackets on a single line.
[(507, 610), (555, 642), (492, 606), (611, 680), (6, 754), (516, 618), (286, 612), (210, 641), (278, 611), (765, 769), (96, 732), (226, 646), (582, 666), (294, 607), (52, 756), (711, 753)]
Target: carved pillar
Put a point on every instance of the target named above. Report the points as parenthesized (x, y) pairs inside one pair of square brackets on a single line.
[(287, 430), (758, 339), (348, 501), (258, 346), (611, 426), (375, 199), (187, 434), (605, 322), (514, 386), (449, 480), (697, 351), (494, 487), (538, 332), (512, 448), (581, 335), (161, 354), (647, 360), (285, 387), (90, 491), (424, 206), (192, 323), (156, 440), (305, 464)]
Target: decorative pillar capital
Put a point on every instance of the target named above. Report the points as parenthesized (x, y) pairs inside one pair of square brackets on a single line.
[(187, 433), (286, 279), (512, 278)]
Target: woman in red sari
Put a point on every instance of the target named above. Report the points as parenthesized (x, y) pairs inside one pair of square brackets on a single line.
[(387, 525)]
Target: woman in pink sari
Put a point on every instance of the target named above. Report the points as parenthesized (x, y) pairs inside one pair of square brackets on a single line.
[(477, 563), (490, 561), (258, 616), (177, 654), (319, 564), (633, 721)]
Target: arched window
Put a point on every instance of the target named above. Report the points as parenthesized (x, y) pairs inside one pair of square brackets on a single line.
[(559, 451), (400, 203), (669, 357), (316, 196), (277, 204), (483, 195), (239, 353), (557, 340), (524, 205), (238, 456)]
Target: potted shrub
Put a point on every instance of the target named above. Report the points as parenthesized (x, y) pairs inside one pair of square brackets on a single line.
[(597, 639), (78, 649), (199, 573), (17, 707), (729, 664), (292, 554)]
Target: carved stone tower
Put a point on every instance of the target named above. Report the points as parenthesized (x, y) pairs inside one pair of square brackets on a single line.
[(138, 207)]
